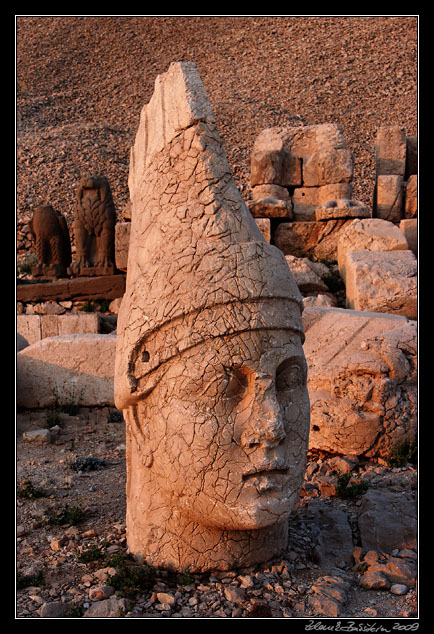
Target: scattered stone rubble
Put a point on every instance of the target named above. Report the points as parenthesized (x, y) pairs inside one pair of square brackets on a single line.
[(347, 557)]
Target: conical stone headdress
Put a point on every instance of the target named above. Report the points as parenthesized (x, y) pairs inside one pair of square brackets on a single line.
[(198, 266)]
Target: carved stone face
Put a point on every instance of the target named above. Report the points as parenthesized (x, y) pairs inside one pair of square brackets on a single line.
[(227, 428)]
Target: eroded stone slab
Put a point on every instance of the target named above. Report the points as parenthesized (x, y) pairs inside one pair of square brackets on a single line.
[(67, 369)]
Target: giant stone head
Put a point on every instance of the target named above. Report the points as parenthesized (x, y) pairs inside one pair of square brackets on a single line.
[(210, 369)]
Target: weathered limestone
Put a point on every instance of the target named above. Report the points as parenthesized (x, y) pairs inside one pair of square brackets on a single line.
[(408, 227), (342, 208), (389, 197), (216, 442), (65, 369), (94, 226), (372, 234), (52, 242), (264, 226), (328, 166), (315, 240), (36, 327), (382, 282), (305, 200), (362, 380)]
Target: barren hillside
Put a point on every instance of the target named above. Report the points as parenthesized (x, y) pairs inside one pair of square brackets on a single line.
[(82, 81)]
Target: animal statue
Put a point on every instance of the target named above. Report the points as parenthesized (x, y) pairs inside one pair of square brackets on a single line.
[(52, 243), (94, 227)]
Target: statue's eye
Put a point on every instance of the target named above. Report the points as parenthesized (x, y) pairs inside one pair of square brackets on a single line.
[(289, 376), (237, 383)]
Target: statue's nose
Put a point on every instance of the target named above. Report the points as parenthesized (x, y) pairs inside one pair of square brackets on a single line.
[(265, 426)]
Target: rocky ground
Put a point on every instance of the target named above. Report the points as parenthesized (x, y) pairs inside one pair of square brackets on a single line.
[(72, 557), (82, 82)]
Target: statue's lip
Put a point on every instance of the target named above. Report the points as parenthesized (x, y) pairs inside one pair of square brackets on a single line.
[(271, 469)]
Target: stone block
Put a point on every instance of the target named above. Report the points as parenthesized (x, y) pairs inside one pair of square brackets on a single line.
[(275, 167), (305, 200), (362, 380), (122, 240), (304, 140), (410, 207), (408, 226), (41, 326), (264, 226), (390, 151), (316, 240), (372, 234), (382, 282), (270, 191), (389, 197), (333, 191), (29, 326), (342, 208), (328, 166), (64, 369)]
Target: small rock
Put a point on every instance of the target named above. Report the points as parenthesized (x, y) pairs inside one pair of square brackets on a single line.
[(54, 610), (102, 574), (107, 608), (98, 593), (166, 599), (246, 581), (398, 588), (234, 594), (56, 543), (373, 581)]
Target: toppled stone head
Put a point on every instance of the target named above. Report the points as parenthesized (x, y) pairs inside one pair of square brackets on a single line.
[(210, 371)]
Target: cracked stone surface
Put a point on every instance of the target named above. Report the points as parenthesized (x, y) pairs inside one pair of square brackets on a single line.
[(362, 380), (210, 371)]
